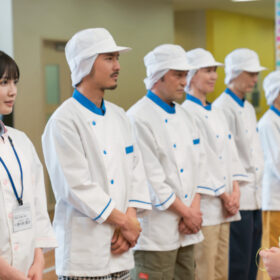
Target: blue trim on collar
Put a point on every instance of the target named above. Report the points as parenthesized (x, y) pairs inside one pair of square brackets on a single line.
[(194, 99), (167, 108), (275, 110), (88, 104), (239, 101)]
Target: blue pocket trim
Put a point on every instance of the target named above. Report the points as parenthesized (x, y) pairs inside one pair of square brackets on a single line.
[(196, 141), (129, 149)]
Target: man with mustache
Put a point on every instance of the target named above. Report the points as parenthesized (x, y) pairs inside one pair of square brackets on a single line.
[(242, 68), (95, 168)]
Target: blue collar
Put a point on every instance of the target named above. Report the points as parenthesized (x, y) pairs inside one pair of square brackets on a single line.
[(239, 101), (88, 104), (194, 99), (275, 110), (167, 108)]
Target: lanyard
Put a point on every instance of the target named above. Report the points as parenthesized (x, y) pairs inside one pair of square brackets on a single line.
[(19, 199)]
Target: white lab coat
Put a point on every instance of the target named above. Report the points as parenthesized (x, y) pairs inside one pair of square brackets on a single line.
[(17, 248), (172, 154), (269, 130), (94, 167), (222, 159), (241, 118)]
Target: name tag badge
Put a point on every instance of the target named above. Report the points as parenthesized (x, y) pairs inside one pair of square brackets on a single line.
[(22, 219)]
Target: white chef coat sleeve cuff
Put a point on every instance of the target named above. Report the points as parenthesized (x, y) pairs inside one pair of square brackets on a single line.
[(241, 177), (46, 242), (139, 204), (166, 203), (142, 207), (104, 214), (211, 191)]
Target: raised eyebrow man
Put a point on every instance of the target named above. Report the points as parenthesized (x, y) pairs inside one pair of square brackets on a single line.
[(95, 168), (242, 68), (173, 157)]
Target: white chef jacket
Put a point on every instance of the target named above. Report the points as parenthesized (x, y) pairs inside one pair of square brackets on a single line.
[(172, 154), (222, 159), (241, 118), (17, 248), (269, 130), (94, 167)]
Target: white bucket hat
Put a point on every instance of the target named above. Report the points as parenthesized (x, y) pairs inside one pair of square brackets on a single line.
[(241, 60), (162, 59), (271, 86), (83, 48), (199, 58)]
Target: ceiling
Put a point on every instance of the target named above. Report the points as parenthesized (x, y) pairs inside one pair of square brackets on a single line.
[(260, 8)]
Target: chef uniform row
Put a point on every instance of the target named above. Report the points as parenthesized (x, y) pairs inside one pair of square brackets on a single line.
[(106, 141), (163, 132)]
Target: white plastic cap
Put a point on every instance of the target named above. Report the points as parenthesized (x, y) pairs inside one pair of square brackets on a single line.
[(241, 60), (199, 58), (162, 59), (271, 86), (83, 48)]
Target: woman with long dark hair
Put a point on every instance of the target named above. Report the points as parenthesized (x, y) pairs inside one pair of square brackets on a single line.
[(24, 222)]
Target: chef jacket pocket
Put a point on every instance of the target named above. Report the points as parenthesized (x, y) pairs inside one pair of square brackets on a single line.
[(90, 242)]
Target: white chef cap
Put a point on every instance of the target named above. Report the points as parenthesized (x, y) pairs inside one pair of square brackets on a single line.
[(241, 60), (83, 48), (162, 59), (271, 86), (199, 58)]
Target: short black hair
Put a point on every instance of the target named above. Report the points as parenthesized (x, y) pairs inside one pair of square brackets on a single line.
[(8, 67)]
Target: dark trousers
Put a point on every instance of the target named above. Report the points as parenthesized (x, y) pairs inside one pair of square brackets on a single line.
[(245, 241)]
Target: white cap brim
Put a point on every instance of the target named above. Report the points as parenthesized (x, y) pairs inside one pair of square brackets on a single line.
[(254, 69), (214, 64), (180, 67), (114, 49)]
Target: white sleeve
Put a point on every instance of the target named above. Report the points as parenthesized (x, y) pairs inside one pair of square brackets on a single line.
[(208, 182), (237, 170), (161, 193), (69, 172), (270, 140), (258, 156), (139, 196), (45, 237)]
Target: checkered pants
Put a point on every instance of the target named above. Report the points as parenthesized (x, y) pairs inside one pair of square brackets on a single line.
[(123, 275)]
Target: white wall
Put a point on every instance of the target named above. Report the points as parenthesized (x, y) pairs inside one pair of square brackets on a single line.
[(190, 29), (139, 24), (6, 27)]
